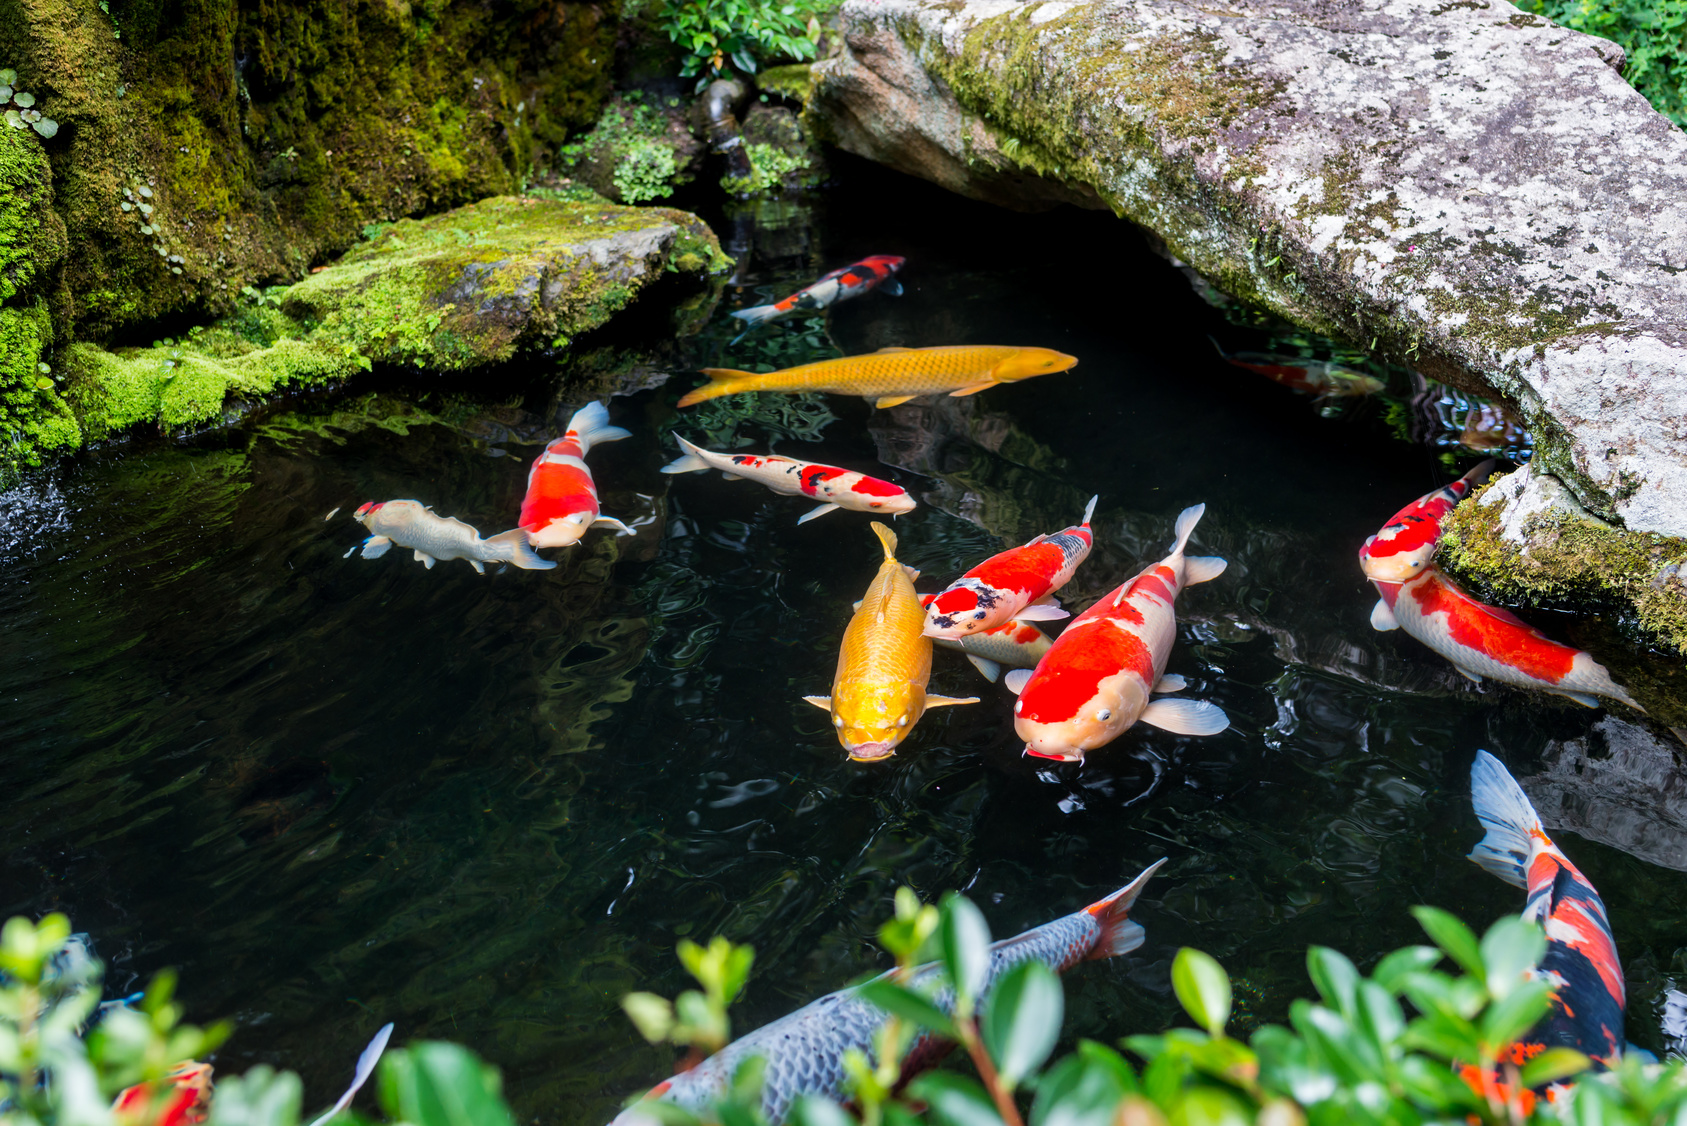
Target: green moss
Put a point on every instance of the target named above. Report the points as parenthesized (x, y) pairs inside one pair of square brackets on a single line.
[(782, 157), (792, 81), (638, 151), (1573, 560), (34, 419)]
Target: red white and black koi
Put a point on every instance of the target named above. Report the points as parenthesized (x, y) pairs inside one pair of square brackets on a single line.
[(1581, 953), (1017, 645), (839, 285), (1406, 544), (561, 501), (1016, 584), (1095, 680), (804, 1051), (835, 488), (1324, 378)]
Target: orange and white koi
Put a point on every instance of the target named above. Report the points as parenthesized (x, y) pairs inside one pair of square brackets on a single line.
[(1581, 953), (1486, 641), (1095, 680), (839, 285), (1017, 645), (561, 501), (410, 523), (1324, 378), (181, 1098), (1406, 544), (835, 488), (1016, 584), (894, 375), (884, 663)]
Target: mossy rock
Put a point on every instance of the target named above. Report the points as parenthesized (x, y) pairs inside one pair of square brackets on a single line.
[(640, 150), (793, 81), (474, 285), (783, 158), (32, 238)]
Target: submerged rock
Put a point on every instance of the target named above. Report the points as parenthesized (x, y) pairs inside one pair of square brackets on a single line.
[(1466, 189), (1631, 797)]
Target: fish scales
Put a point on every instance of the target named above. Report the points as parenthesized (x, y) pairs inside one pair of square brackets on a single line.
[(804, 1051), (893, 375)]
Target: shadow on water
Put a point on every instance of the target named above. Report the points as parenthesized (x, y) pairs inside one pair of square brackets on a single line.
[(341, 791)]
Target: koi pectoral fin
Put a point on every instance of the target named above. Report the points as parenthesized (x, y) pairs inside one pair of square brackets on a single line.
[(1474, 678), (813, 512), (1186, 717), (891, 286), (611, 522), (972, 389), (884, 401), (945, 701), (989, 668), (1016, 680), (824, 703), (1171, 682), (1582, 698), (1042, 612), (374, 547), (425, 559), (1382, 618)]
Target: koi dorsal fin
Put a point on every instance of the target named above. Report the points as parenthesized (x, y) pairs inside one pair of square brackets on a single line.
[(887, 538)]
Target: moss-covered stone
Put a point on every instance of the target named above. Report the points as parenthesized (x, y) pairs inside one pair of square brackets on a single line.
[(34, 419), (641, 149), (792, 81), (783, 159), (473, 285)]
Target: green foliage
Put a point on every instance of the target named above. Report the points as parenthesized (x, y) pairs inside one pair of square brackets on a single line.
[(632, 139), (770, 166), (695, 1020), (1653, 33), (718, 35), (17, 107)]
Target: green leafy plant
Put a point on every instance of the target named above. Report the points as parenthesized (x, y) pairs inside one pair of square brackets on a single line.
[(718, 35), (1653, 34), (17, 107)]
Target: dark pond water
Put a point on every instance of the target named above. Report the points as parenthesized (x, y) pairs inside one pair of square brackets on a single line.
[(336, 792)]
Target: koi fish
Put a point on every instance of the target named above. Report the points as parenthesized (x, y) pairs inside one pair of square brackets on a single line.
[(1408, 541), (894, 375), (1018, 645), (1324, 378), (1491, 426), (1486, 641), (181, 1098), (804, 1051), (1581, 953), (836, 488), (1016, 584), (561, 501), (1095, 680), (839, 285), (410, 523), (879, 689)]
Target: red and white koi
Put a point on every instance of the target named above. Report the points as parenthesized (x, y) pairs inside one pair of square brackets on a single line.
[(835, 488), (839, 285), (1017, 645), (1581, 952), (1095, 680), (561, 501), (1324, 378), (1016, 584), (1406, 544), (1486, 641)]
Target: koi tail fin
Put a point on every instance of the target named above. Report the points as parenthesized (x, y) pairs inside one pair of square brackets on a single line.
[(1512, 824), (691, 462), (515, 548), (1186, 521), (1477, 476), (590, 425), (886, 537), (720, 380), (757, 315), (1089, 510), (1118, 934), (365, 1068)]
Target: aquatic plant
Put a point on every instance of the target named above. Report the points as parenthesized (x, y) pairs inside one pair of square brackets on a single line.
[(719, 35), (1405, 1046), (1653, 34), (17, 107)]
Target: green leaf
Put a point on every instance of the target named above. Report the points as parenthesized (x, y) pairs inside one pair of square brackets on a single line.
[(261, 1097), (22, 100), (1394, 968), (1335, 978), (1378, 1015), (1511, 947), (1208, 1106), (8, 77), (1203, 988), (1022, 1020), (1516, 1013), (1078, 1091), (431, 1083), (1552, 1065), (955, 1100), (817, 1110), (904, 1002), (964, 938), (1451, 936), (652, 1015)]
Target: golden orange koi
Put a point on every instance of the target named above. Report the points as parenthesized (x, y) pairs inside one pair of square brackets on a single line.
[(879, 690), (894, 375)]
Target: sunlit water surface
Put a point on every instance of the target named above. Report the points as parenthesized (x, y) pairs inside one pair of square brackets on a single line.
[(337, 792)]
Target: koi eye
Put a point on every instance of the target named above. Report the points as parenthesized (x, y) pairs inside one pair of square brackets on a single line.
[(902, 722), (1104, 714), (837, 721), (1018, 704)]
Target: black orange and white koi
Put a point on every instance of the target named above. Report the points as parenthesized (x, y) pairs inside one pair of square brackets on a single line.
[(835, 488), (875, 272), (1013, 585), (1407, 543), (1581, 952), (1096, 679), (412, 524), (561, 501)]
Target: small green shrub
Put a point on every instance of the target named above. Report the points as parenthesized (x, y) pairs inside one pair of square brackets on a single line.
[(718, 35), (1652, 32)]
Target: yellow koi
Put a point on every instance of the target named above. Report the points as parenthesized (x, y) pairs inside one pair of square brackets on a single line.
[(894, 375), (879, 690)]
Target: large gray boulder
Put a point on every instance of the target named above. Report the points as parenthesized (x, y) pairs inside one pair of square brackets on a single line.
[(1460, 186)]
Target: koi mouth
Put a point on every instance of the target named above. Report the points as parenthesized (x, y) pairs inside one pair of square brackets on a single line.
[(872, 752), (1035, 753)]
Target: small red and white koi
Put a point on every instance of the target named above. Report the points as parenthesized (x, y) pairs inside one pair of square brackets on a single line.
[(835, 488), (1095, 680), (1486, 641), (561, 501), (1407, 542), (1017, 645), (1016, 584), (839, 285)]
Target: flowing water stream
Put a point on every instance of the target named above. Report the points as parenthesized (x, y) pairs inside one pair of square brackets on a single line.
[(336, 792)]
